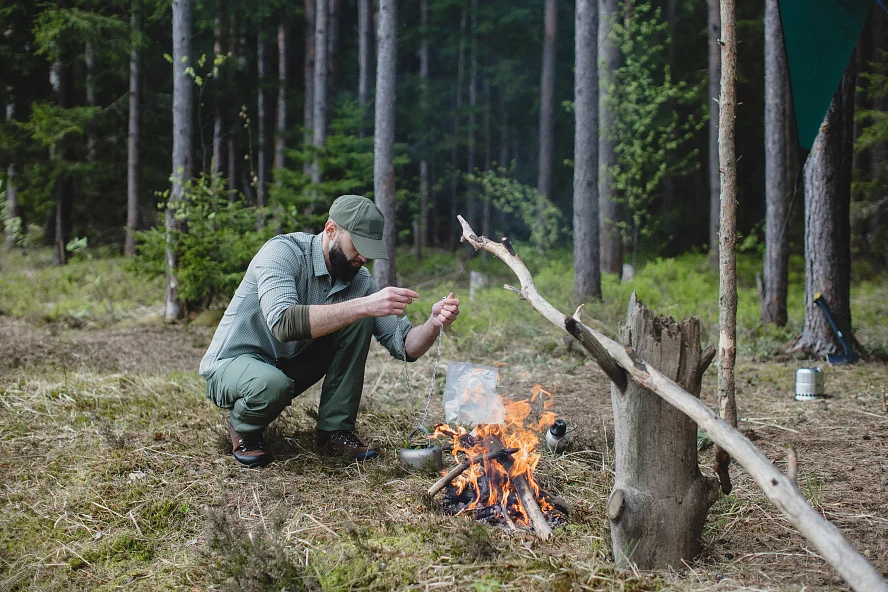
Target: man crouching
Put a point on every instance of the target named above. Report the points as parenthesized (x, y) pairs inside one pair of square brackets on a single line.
[(306, 309)]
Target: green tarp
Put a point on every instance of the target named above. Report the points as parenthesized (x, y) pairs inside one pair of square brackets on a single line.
[(820, 36)]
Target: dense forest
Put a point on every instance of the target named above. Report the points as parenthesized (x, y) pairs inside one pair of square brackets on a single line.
[(224, 122)]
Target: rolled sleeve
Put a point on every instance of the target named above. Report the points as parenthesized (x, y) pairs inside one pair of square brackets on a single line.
[(276, 273), (391, 333)]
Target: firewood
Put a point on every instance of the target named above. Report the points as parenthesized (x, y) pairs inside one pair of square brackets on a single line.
[(525, 494), (777, 487), (461, 467)]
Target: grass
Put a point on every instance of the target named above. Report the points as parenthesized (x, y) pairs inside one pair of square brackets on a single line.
[(117, 471)]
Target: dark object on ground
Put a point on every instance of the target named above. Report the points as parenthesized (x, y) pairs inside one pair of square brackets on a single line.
[(345, 444), (848, 356), (248, 449)]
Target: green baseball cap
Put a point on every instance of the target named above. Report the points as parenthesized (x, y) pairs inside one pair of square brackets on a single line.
[(364, 222)]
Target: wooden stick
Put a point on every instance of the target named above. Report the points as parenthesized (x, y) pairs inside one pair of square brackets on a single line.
[(461, 467), (778, 488), (884, 401)]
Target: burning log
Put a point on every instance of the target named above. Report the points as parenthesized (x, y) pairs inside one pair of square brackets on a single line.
[(780, 490), (459, 469), (525, 494)]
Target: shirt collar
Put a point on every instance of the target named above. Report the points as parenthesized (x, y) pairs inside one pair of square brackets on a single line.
[(317, 256)]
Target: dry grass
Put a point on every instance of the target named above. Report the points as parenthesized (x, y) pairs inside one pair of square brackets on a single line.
[(116, 475)]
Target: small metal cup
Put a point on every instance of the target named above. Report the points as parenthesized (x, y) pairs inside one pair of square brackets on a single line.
[(424, 457), (808, 384)]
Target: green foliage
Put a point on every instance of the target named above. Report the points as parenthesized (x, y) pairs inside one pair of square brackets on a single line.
[(511, 197), (215, 243), (347, 165), (652, 131)]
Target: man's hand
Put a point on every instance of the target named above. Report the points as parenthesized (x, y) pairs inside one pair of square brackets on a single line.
[(388, 301), (445, 311)]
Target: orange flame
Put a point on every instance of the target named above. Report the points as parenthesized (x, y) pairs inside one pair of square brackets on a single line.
[(520, 430)]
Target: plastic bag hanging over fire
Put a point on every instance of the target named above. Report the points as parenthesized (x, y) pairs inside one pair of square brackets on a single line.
[(470, 395)]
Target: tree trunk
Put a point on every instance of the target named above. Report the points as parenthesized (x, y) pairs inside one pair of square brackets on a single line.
[(365, 62), (454, 181), (332, 47), (218, 121), (587, 270), (488, 160), (727, 298), (91, 135), (65, 187), (319, 117), (609, 209), (422, 239), (472, 206), (778, 179), (183, 90), (261, 114), (231, 143), (660, 499), (134, 137), (308, 78), (669, 200), (827, 224), (280, 145), (11, 225), (714, 28), (384, 137), (547, 104)]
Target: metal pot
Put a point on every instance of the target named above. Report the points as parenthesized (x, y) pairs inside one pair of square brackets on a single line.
[(425, 457), (808, 384)]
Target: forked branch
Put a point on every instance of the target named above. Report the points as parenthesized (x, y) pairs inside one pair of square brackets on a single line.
[(618, 361)]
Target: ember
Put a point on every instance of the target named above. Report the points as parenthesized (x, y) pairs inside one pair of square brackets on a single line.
[(495, 482)]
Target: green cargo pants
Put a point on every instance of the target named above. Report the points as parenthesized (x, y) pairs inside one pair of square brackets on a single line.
[(257, 392)]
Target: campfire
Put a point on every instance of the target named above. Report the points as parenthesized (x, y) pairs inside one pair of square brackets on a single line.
[(494, 478)]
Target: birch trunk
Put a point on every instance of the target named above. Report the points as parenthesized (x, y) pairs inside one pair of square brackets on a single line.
[(134, 136), (218, 121), (384, 137), (91, 135), (587, 270), (183, 90)]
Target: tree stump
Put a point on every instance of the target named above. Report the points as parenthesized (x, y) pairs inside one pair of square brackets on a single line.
[(660, 499)]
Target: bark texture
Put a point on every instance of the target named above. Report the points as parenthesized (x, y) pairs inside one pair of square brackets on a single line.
[(134, 139), (460, 74), (11, 225), (218, 120), (827, 224), (473, 106), (778, 179), (547, 101), (714, 28), (727, 268), (384, 137), (261, 115), (587, 270), (365, 54), (665, 498), (422, 238), (92, 139), (319, 116), (308, 79), (65, 187), (183, 91), (280, 139), (609, 209)]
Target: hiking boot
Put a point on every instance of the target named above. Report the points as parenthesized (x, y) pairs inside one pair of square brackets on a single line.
[(346, 444), (247, 448)]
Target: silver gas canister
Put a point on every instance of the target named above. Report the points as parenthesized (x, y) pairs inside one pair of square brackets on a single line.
[(808, 384)]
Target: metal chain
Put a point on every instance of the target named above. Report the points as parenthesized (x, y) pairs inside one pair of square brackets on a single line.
[(421, 424)]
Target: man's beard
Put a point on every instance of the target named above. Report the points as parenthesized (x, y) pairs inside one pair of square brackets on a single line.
[(343, 269)]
